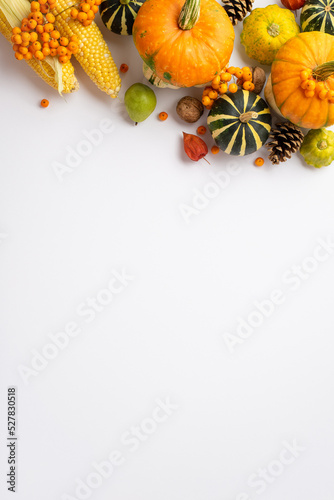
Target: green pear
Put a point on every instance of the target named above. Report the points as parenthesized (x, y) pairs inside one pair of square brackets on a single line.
[(140, 102)]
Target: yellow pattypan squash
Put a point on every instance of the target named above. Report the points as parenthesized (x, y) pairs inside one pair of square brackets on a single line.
[(265, 30)]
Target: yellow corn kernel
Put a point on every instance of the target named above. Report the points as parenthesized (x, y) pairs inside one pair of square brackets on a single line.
[(42, 68), (93, 54)]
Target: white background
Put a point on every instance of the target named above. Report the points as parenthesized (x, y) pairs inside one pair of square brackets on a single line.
[(163, 336)]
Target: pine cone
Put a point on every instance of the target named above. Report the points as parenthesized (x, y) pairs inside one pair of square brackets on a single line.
[(287, 139), (237, 9)]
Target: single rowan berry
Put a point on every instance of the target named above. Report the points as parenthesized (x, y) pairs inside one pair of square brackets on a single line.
[(233, 87), (259, 162), (123, 68)]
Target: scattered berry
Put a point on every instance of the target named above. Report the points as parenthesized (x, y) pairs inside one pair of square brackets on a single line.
[(163, 116), (123, 68), (259, 162), (214, 150), (44, 103), (201, 130)]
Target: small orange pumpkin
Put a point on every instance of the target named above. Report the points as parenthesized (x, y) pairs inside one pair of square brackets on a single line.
[(306, 51), (184, 43)]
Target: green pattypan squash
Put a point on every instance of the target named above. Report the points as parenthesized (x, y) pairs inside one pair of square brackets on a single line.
[(318, 147)]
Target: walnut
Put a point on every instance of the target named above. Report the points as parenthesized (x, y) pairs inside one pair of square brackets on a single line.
[(259, 78), (189, 109)]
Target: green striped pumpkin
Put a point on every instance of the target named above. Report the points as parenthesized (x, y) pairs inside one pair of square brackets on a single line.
[(240, 123), (318, 15), (119, 15)]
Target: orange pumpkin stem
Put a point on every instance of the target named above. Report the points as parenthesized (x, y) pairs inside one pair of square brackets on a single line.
[(323, 71), (189, 14)]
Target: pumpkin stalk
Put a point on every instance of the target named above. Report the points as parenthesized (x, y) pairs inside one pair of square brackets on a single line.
[(124, 2), (322, 145), (189, 14), (246, 117), (323, 71), (273, 30)]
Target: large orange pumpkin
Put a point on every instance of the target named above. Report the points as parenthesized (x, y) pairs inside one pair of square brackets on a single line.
[(309, 50), (184, 43)]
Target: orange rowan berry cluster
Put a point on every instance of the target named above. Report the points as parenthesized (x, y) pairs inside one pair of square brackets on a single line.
[(221, 84), (313, 87), (85, 13), (39, 38)]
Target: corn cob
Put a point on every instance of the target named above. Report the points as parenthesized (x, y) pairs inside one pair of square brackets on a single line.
[(94, 54), (42, 68)]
